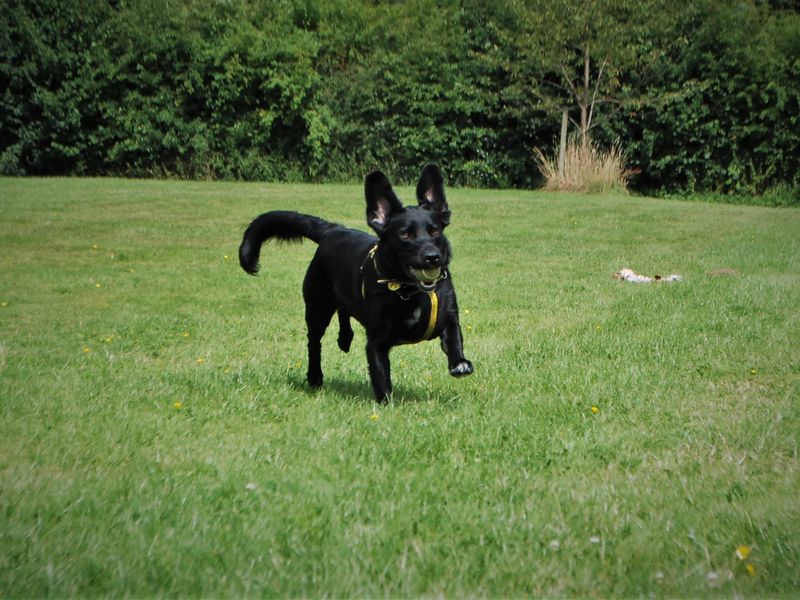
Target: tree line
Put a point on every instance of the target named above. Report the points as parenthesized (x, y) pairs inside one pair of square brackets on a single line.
[(701, 95)]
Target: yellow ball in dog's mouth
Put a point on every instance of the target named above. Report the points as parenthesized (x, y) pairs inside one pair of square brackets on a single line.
[(426, 275)]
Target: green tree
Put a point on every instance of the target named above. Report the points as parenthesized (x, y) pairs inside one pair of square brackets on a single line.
[(572, 54)]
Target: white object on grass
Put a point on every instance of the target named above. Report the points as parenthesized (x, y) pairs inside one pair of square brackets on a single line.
[(634, 277)]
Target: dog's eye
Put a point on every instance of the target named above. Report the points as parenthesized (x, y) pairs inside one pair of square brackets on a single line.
[(435, 232), (406, 235)]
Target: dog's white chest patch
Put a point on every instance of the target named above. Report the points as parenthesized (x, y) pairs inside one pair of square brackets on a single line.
[(414, 317)]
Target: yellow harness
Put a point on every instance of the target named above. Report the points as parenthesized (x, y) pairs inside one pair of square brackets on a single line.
[(395, 286), (434, 312)]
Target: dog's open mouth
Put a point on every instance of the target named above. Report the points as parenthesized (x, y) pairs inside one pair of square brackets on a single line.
[(426, 276)]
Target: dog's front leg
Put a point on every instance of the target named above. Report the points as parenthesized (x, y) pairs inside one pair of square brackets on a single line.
[(453, 346), (379, 373)]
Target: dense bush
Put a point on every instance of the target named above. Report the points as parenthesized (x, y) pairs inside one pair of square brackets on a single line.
[(726, 110), (703, 98)]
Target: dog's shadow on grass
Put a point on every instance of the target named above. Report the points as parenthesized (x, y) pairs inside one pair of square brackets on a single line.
[(358, 391)]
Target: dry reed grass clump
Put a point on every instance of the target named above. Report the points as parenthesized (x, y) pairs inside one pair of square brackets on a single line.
[(586, 168)]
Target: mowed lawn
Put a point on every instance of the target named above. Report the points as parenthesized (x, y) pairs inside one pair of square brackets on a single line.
[(158, 438)]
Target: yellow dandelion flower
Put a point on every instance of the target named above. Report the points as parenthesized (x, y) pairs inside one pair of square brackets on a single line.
[(86, 349), (373, 417), (97, 285), (750, 569), (178, 405), (227, 257), (595, 410), (3, 304), (469, 327), (109, 339), (185, 334), (742, 552), (201, 360), (752, 371)]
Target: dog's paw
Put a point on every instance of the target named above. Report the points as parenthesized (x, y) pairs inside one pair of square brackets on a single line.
[(462, 369)]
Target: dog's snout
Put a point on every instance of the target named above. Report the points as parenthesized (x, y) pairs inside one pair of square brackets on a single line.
[(432, 259)]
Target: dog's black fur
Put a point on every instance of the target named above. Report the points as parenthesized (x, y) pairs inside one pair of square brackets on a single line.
[(379, 288)]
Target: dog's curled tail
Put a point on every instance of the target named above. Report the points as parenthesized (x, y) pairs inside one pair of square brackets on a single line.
[(281, 224)]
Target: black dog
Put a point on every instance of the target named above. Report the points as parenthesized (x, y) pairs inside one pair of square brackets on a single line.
[(398, 286)]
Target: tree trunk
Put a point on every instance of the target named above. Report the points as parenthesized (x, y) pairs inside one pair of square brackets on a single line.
[(562, 146), (585, 98)]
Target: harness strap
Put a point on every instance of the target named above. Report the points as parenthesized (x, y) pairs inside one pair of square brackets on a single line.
[(434, 312), (370, 256)]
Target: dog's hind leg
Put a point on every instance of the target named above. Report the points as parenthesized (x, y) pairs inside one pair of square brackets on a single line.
[(317, 320), (345, 331), (319, 311)]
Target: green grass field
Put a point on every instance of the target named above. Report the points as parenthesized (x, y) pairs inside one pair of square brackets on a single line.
[(617, 440)]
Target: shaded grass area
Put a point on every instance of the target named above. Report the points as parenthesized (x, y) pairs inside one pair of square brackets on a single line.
[(159, 439)]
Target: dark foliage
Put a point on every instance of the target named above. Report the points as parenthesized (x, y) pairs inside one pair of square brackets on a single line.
[(321, 90)]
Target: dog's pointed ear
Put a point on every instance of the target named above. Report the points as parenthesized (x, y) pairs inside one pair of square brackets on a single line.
[(382, 202), (430, 191)]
